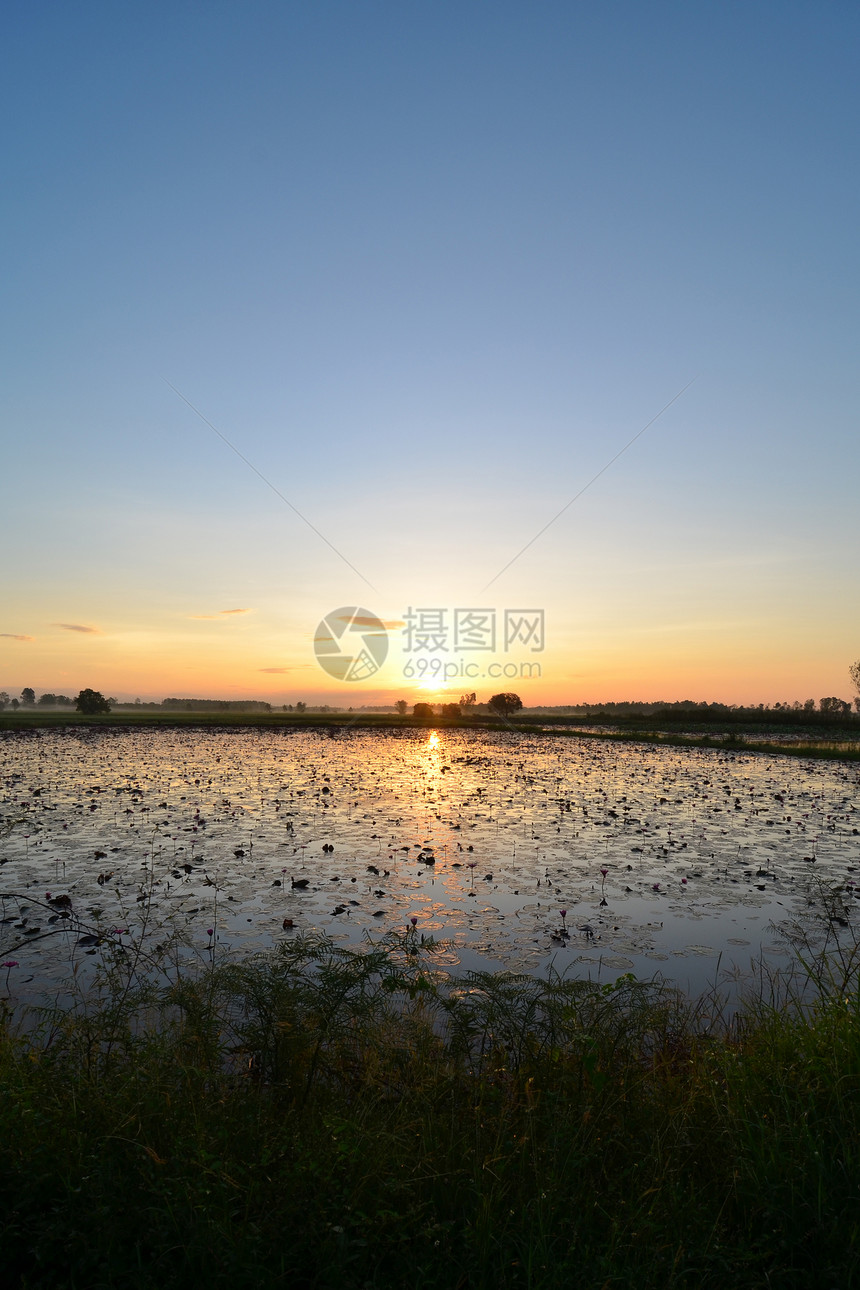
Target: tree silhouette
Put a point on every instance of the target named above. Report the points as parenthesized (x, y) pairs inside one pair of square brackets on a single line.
[(834, 707), (91, 702), (506, 704), (401, 707), (28, 697), (422, 710)]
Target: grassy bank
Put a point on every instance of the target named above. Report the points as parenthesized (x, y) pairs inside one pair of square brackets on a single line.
[(328, 1118)]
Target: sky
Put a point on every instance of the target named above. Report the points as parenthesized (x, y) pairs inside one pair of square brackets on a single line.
[(325, 307)]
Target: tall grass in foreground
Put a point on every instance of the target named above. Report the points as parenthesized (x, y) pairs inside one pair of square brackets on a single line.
[(324, 1117)]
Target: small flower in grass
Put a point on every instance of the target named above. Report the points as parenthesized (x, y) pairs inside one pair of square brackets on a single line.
[(563, 913), (8, 965), (210, 931), (414, 922), (120, 931)]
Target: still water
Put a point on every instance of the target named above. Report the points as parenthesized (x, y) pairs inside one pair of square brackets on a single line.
[(671, 860)]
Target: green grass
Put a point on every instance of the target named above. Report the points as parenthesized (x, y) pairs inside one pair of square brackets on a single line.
[(323, 1117)]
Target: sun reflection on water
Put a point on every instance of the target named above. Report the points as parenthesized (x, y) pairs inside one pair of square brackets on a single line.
[(659, 856)]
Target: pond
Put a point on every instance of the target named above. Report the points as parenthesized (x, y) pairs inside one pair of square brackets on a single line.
[(671, 860)]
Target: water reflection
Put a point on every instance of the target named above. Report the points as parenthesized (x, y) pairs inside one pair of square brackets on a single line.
[(662, 858)]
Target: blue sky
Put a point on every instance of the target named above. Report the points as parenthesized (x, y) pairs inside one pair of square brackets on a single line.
[(429, 267)]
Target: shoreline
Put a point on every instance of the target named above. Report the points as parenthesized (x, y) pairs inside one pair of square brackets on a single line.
[(746, 737)]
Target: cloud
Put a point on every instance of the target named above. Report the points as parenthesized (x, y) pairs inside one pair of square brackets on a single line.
[(78, 627), (359, 620), (13, 636), (223, 613), (274, 669)]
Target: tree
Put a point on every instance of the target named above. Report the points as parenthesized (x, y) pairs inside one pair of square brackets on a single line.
[(28, 697), (4, 699), (451, 710), (47, 700), (468, 700), (423, 710), (834, 707), (402, 707), (854, 673), (91, 702), (506, 704), (301, 707)]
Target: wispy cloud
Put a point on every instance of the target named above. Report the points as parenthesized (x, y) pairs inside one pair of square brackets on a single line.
[(280, 670), (78, 627), (357, 620), (222, 613), (13, 636)]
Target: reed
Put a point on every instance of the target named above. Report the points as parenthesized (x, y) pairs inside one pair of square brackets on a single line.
[(338, 1118)]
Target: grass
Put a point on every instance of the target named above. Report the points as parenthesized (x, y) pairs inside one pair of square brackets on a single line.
[(326, 1117)]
